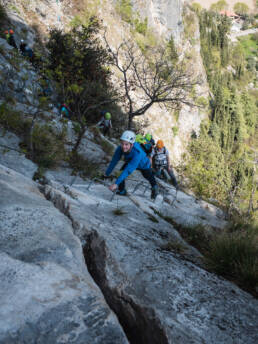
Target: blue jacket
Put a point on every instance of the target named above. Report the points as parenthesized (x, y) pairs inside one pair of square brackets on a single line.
[(135, 159)]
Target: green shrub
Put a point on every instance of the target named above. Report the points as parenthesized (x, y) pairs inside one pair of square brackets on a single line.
[(241, 8), (13, 121), (235, 255), (202, 102), (141, 26), (39, 174), (196, 7), (125, 10), (189, 25), (106, 146), (175, 131), (232, 253), (171, 48), (119, 211), (153, 218), (147, 42), (82, 166), (48, 146), (14, 9), (219, 6), (3, 15), (175, 246)]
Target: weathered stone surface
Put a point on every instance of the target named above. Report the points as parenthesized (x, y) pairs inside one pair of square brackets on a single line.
[(159, 296), (12, 158), (164, 16), (46, 292)]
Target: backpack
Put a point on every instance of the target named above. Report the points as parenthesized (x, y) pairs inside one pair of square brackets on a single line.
[(160, 157), (147, 147)]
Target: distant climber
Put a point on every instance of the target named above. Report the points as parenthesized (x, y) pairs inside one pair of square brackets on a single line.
[(64, 111), (26, 51), (9, 35), (160, 161), (46, 89), (105, 123), (23, 46), (135, 158)]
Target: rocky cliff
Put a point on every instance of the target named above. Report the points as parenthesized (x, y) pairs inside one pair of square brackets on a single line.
[(164, 16), (33, 19), (79, 265)]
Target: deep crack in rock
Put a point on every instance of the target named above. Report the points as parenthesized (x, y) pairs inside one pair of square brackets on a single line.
[(140, 325)]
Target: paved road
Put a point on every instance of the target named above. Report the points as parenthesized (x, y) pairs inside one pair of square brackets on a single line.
[(234, 35)]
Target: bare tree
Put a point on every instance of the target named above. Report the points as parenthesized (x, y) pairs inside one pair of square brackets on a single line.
[(150, 80)]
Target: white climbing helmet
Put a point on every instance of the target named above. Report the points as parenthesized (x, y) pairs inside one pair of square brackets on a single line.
[(128, 136)]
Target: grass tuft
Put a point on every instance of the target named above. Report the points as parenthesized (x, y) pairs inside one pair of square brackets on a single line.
[(119, 211), (174, 246), (232, 253), (235, 255), (153, 218), (82, 166)]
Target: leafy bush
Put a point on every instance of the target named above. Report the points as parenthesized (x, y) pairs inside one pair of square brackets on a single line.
[(3, 15), (219, 6), (241, 8), (106, 146), (235, 255), (82, 166), (119, 211), (189, 24), (202, 102), (232, 252), (48, 146), (171, 50), (125, 10), (175, 131), (141, 26), (147, 42), (13, 121), (196, 7), (175, 246)]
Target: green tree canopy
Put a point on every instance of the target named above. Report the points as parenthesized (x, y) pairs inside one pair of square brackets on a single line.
[(196, 7), (219, 6), (241, 8)]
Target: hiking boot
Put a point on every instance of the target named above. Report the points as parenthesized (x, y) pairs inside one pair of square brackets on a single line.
[(154, 192), (121, 192)]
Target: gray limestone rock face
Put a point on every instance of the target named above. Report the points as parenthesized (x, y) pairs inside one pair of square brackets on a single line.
[(13, 158), (46, 292), (164, 16), (158, 296)]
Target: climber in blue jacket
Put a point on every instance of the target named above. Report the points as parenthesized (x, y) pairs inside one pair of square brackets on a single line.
[(135, 158)]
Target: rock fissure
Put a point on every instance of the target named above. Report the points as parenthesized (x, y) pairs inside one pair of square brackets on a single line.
[(140, 324)]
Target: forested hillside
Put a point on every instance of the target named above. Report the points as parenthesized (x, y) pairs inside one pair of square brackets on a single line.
[(223, 158)]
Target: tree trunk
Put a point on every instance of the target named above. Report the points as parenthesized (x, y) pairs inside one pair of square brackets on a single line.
[(78, 141), (130, 122), (30, 135)]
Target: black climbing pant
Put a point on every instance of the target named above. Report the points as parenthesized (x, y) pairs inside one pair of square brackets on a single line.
[(147, 174)]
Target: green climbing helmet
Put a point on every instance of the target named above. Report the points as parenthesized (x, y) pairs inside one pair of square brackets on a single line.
[(140, 139), (148, 136), (107, 115)]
